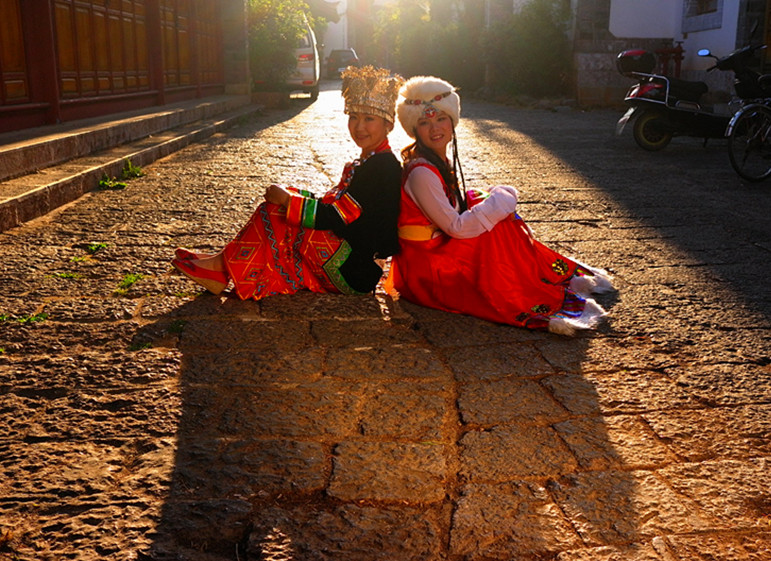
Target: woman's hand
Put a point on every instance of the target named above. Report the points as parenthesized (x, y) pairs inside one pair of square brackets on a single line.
[(277, 195)]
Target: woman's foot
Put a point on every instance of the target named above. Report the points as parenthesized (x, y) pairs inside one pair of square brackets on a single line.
[(213, 281), (184, 253)]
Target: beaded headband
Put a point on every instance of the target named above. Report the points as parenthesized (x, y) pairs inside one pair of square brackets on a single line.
[(429, 110)]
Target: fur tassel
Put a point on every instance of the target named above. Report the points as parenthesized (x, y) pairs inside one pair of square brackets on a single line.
[(604, 282), (600, 282), (591, 315), (582, 285)]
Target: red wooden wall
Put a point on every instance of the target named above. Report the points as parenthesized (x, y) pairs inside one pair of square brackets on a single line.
[(13, 64), (68, 59)]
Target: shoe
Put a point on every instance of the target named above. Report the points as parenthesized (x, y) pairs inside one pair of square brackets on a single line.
[(184, 253), (213, 281)]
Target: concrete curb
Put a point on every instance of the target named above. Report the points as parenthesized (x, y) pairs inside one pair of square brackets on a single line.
[(25, 154), (38, 201)]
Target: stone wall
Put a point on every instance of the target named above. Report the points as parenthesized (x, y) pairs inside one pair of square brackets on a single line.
[(597, 82)]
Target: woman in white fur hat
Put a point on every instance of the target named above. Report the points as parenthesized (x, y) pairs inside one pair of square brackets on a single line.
[(470, 252)]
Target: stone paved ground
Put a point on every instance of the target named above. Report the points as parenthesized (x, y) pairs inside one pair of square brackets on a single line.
[(148, 420)]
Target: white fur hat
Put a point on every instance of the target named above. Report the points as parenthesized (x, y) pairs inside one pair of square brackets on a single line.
[(424, 96)]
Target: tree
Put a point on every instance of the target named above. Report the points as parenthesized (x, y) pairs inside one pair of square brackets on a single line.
[(529, 52), (438, 37), (275, 27)]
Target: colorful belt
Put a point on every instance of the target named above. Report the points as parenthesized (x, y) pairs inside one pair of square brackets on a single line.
[(417, 232)]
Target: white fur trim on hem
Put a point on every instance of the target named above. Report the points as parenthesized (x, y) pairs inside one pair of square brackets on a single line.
[(591, 315), (600, 283)]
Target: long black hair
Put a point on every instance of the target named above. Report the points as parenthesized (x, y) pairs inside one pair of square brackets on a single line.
[(449, 174)]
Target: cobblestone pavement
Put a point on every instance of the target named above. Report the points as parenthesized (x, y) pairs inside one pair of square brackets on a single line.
[(144, 419)]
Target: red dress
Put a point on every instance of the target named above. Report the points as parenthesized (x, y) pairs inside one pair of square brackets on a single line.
[(325, 244), (503, 275)]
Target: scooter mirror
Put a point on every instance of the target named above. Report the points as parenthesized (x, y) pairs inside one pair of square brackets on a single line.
[(704, 52)]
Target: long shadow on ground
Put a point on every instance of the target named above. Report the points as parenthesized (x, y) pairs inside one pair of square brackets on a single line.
[(331, 427)]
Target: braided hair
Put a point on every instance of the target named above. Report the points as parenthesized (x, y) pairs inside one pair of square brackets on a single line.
[(449, 174)]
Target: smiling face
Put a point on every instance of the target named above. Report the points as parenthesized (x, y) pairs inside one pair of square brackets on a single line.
[(435, 132), (368, 131)]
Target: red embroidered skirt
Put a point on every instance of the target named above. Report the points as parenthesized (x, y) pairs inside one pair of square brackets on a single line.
[(270, 256)]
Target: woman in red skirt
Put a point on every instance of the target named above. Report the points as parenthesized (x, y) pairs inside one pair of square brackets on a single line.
[(295, 241), (470, 252)]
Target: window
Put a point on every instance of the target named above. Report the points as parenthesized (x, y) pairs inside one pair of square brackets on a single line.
[(700, 15), (705, 7)]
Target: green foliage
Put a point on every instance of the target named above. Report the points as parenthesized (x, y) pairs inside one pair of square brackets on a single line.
[(95, 247), (128, 281), (33, 318), (91, 249), (108, 183), (529, 52), (275, 27), (433, 37), (130, 171), (67, 275)]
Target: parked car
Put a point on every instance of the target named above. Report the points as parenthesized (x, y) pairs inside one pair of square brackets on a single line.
[(305, 75), (339, 60)]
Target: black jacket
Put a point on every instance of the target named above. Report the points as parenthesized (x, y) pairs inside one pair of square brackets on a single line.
[(375, 186)]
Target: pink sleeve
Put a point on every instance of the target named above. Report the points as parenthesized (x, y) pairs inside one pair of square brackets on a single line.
[(425, 188)]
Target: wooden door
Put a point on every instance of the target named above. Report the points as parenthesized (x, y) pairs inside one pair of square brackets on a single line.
[(191, 42), (14, 81), (208, 42), (101, 47)]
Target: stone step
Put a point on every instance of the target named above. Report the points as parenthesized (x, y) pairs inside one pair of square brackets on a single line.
[(41, 173)]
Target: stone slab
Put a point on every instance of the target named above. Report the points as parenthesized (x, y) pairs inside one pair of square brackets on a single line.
[(389, 471)]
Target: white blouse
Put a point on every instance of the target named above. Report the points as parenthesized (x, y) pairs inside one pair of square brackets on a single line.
[(425, 188)]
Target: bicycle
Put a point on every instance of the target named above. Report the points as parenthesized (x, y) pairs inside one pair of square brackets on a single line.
[(749, 141)]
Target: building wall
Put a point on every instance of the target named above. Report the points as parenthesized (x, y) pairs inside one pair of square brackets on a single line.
[(658, 18), (603, 28), (594, 55), (70, 59), (336, 36), (719, 36)]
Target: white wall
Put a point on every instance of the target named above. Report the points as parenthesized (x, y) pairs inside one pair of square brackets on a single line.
[(336, 36), (645, 19), (720, 41), (664, 18)]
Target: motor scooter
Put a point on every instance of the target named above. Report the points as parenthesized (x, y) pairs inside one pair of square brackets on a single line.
[(663, 106)]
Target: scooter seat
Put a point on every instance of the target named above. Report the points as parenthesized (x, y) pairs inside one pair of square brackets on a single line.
[(686, 90)]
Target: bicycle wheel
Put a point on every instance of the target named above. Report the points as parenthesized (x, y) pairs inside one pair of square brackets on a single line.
[(749, 143)]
